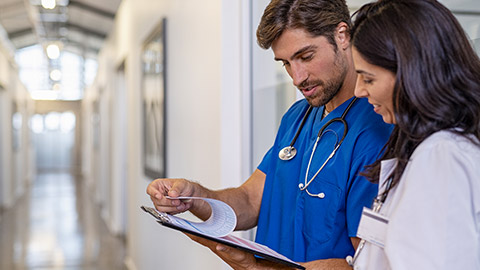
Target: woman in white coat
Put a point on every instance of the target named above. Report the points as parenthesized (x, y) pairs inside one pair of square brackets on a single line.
[(420, 72)]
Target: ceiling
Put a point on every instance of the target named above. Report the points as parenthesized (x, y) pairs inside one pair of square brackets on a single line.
[(82, 25), (79, 26)]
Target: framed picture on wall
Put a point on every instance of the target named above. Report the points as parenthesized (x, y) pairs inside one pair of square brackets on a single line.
[(17, 124), (153, 93), (96, 124)]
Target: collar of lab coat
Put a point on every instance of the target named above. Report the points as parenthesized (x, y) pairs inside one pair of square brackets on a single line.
[(387, 167)]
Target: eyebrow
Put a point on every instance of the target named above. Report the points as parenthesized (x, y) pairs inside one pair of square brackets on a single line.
[(359, 71), (297, 53)]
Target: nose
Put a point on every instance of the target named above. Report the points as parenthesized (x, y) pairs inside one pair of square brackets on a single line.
[(360, 90), (298, 73)]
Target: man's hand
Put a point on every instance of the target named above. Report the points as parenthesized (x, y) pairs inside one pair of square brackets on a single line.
[(160, 188), (237, 259)]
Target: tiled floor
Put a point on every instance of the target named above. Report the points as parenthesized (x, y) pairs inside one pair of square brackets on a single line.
[(56, 225)]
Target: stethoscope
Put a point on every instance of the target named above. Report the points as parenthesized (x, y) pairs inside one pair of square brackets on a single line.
[(377, 205), (289, 152)]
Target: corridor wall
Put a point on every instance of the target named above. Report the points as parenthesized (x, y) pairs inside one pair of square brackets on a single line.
[(207, 75), (17, 164)]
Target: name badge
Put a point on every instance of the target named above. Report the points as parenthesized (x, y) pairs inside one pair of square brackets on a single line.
[(373, 227)]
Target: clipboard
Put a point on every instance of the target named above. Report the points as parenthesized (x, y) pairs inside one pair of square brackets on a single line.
[(259, 250)]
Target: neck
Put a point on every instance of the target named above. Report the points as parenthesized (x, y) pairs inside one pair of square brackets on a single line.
[(346, 91), (325, 112)]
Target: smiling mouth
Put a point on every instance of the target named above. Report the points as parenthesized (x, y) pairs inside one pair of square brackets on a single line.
[(375, 105), (376, 108)]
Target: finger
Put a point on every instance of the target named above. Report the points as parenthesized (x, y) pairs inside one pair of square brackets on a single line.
[(236, 258), (232, 253), (224, 251), (158, 188), (171, 206), (179, 188), (175, 206)]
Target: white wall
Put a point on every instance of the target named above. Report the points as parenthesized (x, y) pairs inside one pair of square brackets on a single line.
[(207, 75), (17, 166)]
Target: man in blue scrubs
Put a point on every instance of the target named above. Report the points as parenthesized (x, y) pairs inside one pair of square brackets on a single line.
[(306, 208)]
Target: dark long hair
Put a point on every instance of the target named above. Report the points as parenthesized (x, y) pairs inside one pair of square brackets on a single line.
[(437, 72), (317, 17)]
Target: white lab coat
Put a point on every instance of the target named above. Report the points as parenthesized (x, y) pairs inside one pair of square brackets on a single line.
[(433, 212)]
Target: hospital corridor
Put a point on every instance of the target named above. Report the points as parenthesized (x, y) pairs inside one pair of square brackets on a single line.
[(100, 98), (55, 225)]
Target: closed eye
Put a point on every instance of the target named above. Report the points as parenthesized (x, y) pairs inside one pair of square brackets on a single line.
[(307, 57), (367, 81)]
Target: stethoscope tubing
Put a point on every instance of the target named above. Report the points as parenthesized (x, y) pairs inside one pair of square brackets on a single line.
[(301, 125), (289, 152), (304, 186)]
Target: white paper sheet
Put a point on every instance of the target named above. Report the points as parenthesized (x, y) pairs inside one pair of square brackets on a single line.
[(221, 223)]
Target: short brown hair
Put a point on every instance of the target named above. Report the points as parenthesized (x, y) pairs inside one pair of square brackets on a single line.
[(317, 17)]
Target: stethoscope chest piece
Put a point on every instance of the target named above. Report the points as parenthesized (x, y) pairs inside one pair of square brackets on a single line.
[(287, 153)]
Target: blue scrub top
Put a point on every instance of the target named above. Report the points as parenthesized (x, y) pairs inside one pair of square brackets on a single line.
[(306, 228)]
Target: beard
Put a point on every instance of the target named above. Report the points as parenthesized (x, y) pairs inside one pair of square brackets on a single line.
[(330, 88)]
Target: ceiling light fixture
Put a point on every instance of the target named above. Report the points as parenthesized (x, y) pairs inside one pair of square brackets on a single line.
[(49, 4), (55, 75), (53, 51)]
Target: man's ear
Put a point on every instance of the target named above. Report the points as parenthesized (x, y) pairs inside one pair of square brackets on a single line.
[(342, 35)]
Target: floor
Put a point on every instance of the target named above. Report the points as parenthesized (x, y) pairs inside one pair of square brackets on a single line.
[(56, 225)]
